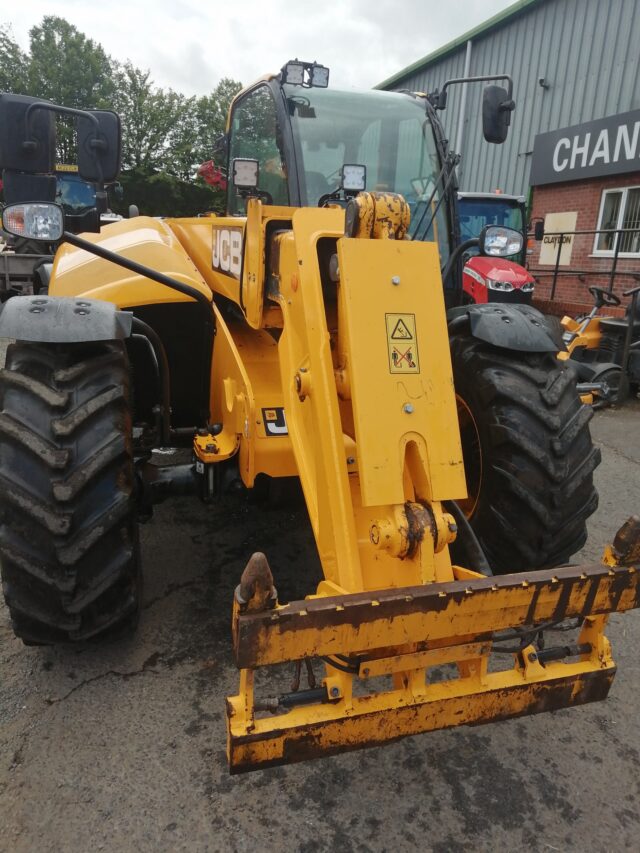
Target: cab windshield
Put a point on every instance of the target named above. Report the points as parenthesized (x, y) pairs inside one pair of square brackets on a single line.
[(74, 194), (476, 212), (388, 133)]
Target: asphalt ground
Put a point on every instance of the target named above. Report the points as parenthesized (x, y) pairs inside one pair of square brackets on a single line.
[(122, 747)]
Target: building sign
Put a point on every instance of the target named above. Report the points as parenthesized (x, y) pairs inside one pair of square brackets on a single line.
[(608, 146), (555, 227)]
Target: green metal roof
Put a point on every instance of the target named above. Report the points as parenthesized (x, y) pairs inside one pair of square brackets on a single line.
[(497, 20)]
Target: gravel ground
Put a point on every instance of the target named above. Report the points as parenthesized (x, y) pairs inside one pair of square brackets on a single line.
[(122, 748)]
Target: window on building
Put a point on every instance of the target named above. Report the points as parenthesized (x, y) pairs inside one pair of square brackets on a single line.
[(619, 209)]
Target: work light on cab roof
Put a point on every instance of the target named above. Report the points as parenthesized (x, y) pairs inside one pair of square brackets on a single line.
[(306, 74)]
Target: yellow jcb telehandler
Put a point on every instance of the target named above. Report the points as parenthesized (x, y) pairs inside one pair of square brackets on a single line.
[(444, 455)]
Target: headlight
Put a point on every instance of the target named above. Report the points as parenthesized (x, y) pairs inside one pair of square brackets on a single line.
[(499, 285), (528, 287), (35, 221)]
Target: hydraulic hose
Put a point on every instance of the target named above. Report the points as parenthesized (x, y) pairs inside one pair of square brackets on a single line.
[(162, 365), (477, 558)]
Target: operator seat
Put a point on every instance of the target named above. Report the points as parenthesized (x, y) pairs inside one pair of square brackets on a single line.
[(619, 324)]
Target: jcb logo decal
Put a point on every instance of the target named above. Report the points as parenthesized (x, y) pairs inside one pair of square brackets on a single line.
[(275, 422), (227, 251)]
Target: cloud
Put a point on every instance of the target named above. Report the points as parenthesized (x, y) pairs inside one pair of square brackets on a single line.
[(189, 46)]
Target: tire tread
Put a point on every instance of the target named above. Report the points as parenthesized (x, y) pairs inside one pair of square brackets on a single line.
[(68, 532), (538, 458)]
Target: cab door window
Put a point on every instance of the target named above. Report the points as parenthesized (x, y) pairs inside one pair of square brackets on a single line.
[(255, 134)]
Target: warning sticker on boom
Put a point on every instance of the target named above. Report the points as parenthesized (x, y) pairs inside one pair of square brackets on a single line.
[(402, 343)]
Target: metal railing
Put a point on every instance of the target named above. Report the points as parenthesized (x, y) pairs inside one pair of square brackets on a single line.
[(612, 273)]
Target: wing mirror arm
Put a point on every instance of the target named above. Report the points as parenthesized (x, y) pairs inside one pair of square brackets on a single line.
[(439, 99)]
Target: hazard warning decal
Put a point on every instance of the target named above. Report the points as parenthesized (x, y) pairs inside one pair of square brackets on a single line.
[(402, 343)]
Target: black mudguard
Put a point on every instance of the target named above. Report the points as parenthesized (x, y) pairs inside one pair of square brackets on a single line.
[(515, 327), (63, 319)]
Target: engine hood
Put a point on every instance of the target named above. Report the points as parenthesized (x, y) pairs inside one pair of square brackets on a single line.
[(498, 269)]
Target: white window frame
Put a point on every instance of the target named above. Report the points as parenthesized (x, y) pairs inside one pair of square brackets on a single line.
[(609, 253)]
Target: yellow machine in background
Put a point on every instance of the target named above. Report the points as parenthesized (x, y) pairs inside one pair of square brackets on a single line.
[(581, 333), (304, 334), (595, 346)]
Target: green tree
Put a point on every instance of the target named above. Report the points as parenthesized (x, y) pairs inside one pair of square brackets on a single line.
[(211, 114), (166, 135), (164, 130), (14, 63), (68, 68), (151, 119), (161, 194)]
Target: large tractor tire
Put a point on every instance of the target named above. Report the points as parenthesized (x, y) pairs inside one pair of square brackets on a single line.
[(68, 530), (529, 459)]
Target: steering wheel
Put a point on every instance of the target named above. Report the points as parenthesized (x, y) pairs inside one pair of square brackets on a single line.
[(603, 297)]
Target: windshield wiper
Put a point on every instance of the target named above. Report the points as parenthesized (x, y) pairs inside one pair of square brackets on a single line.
[(450, 163)]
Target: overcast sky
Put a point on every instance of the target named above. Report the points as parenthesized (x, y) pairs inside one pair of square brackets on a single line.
[(190, 44)]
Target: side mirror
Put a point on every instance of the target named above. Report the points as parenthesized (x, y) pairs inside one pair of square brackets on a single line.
[(499, 242), (99, 145), (20, 187), (497, 107), (538, 230), (23, 149), (27, 138), (34, 221)]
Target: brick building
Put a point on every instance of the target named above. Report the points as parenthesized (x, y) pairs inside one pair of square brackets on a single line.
[(586, 179)]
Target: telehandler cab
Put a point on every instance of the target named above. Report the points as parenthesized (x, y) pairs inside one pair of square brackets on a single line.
[(304, 334)]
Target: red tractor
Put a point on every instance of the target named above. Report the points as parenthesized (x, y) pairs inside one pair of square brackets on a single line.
[(486, 279)]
